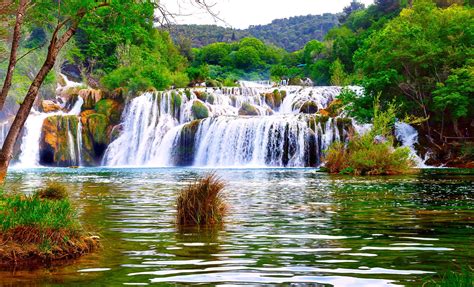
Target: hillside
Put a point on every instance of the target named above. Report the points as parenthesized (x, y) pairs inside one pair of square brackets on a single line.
[(289, 33)]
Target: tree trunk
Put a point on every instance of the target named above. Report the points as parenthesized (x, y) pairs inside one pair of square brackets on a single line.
[(15, 43), (54, 47)]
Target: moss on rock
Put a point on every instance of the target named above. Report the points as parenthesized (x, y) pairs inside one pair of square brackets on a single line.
[(200, 111), (112, 109), (309, 107), (248, 110)]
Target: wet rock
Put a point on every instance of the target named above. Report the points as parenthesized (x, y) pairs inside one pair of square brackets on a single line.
[(199, 110), (112, 109), (309, 107), (56, 133), (90, 97), (95, 136), (49, 106), (248, 110)]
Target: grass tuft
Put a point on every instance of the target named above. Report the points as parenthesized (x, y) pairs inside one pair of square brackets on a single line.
[(53, 191), (462, 278), (201, 203)]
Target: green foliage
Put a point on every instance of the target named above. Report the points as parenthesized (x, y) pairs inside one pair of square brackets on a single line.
[(143, 67), (291, 34), (32, 211), (456, 95), (338, 76), (250, 58), (358, 106), (421, 58), (363, 155)]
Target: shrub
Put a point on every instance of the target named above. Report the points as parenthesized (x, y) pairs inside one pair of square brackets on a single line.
[(201, 203), (363, 155), (53, 190)]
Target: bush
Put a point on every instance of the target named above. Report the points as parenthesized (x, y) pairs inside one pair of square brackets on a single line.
[(201, 203), (53, 190), (372, 153)]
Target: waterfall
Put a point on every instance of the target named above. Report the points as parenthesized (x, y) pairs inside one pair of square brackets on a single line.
[(408, 136), (29, 156), (255, 141), (79, 143), (160, 128)]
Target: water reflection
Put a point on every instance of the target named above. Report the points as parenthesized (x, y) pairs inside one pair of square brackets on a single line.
[(284, 226)]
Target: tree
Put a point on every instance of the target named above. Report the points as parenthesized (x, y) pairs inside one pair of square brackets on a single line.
[(20, 16), (417, 53), (354, 6)]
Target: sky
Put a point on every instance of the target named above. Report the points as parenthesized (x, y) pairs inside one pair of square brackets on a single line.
[(243, 13)]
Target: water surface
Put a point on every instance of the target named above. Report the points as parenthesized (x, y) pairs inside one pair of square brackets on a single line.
[(284, 226)]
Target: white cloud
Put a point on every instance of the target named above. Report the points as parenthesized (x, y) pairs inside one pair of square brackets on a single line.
[(242, 13)]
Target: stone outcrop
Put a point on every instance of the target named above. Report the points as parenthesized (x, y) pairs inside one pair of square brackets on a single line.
[(49, 106), (56, 134), (248, 110)]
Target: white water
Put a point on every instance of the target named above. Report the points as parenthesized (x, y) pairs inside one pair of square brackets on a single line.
[(153, 135), (30, 142), (408, 136)]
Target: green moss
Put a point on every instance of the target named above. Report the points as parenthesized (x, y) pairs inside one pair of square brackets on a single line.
[(110, 108), (199, 110), (97, 127), (248, 110), (187, 92), (175, 104)]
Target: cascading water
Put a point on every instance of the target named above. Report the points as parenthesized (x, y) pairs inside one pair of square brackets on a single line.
[(408, 136), (162, 129), (29, 156)]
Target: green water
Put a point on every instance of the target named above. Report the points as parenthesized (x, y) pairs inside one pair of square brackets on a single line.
[(284, 226)]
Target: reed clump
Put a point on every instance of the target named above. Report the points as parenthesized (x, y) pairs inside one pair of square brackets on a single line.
[(53, 191), (39, 229), (201, 203)]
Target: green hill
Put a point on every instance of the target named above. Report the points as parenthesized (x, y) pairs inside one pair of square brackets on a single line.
[(289, 33)]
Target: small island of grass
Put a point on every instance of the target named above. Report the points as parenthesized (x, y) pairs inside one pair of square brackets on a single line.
[(38, 229)]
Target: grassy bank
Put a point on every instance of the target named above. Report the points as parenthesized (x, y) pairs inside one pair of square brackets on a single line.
[(41, 228)]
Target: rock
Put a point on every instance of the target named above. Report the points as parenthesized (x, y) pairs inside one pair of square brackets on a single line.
[(248, 110), (90, 97), (49, 106), (54, 141), (183, 154), (200, 111), (112, 109), (309, 107), (275, 99), (95, 136)]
